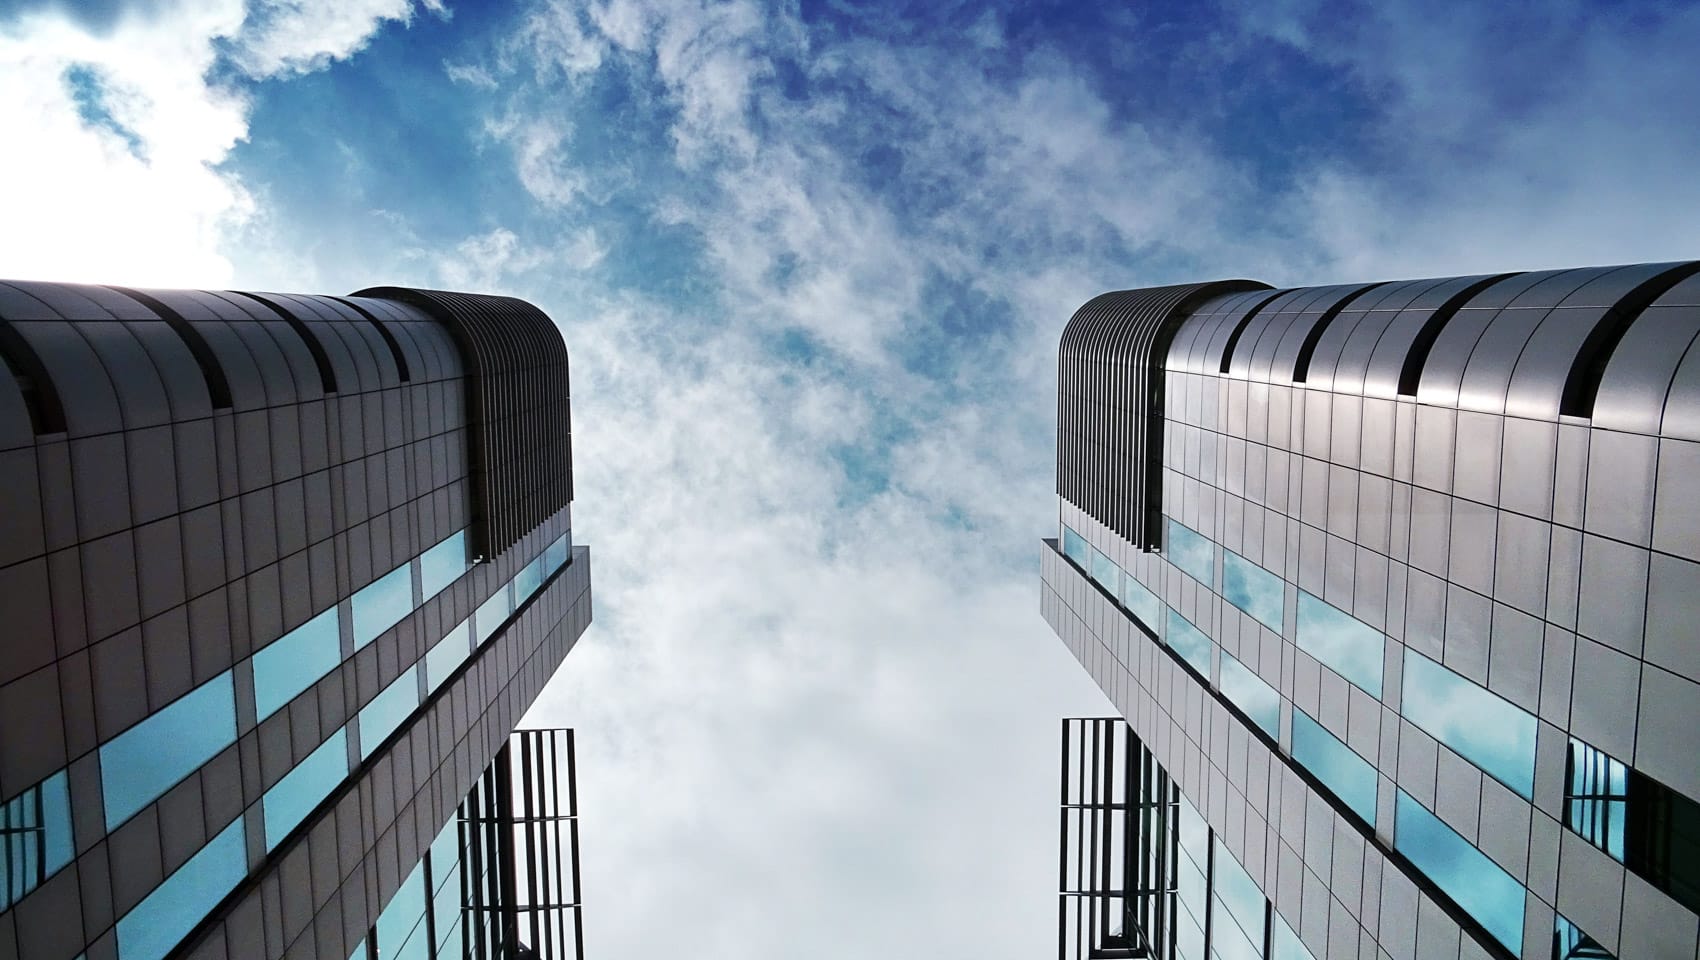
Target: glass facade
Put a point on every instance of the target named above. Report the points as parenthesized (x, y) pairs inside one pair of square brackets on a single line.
[(140, 764), (492, 612), (384, 714), (1193, 554), (35, 837), (1349, 647), (1189, 643), (447, 654), (1481, 726), (1254, 590), (1142, 603), (1641, 823), (159, 922), (295, 661), (1347, 775), (382, 603), (442, 565), (289, 800), (1473, 881), (1256, 699)]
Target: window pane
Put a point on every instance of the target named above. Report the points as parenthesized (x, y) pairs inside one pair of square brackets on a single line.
[(1074, 547), (448, 654), (1105, 571), (1256, 699), (1483, 727), (1194, 832), (1236, 891), (32, 845), (1349, 646), (1287, 945), (402, 914), (359, 951), (492, 612), (442, 564), (295, 661), (1254, 590), (555, 557), (1192, 553), (289, 801), (1597, 800), (1464, 873), (1190, 642), (161, 921), (1573, 944), (381, 603), (1341, 770), (150, 758), (526, 582), (388, 709), (1650, 828), (1142, 603)]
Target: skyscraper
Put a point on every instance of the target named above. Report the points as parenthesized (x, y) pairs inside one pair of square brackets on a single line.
[(279, 576), (1396, 586)]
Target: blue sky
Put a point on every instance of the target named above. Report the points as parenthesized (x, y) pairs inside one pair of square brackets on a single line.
[(811, 261)]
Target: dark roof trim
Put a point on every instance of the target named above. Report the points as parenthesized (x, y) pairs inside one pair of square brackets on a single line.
[(321, 359), (1411, 374), (383, 331), (1301, 366), (218, 388), (1582, 386), (1239, 328), (41, 398)]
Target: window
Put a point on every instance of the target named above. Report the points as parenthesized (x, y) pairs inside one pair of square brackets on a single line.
[(143, 762), (1254, 590), (175, 907), (445, 873), (1190, 642), (492, 612), (381, 603), (35, 837), (1346, 644), (1191, 881), (448, 654), (1570, 943), (1074, 547), (402, 921), (1237, 931), (1286, 944), (295, 661), (1482, 727), (1105, 571), (1462, 872), (442, 565), (388, 709), (529, 578), (555, 557), (1142, 603), (1255, 698), (1192, 553), (289, 801), (1349, 776), (1641, 823)]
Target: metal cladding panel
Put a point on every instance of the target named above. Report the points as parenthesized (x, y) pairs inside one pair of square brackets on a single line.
[(519, 410), (1113, 355)]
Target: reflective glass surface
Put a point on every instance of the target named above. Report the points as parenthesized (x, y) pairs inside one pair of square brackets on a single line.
[(448, 654), (1597, 798), (1482, 727), (1464, 873), (1142, 603), (1346, 644), (289, 800), (295, 661), (1570, 943), (1349, 776), (1648, 827), (445, 873), (35, 837), (166, 916), (379, 604), (1256, 699), (388, 709), (1238, 930), (1190, 642), (555, 556), (402, 914), (493, 611), (151, 757), (1192, 553), (1105, 571), (527, 580), (442, 565), (1253, 589), (1192, 893), (1074, 547), (1285, 944)]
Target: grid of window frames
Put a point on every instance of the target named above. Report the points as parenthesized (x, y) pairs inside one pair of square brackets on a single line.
[(1484, 728), (141, 764)]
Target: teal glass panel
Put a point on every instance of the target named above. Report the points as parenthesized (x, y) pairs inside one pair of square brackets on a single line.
[(1572, 944), (35, 837), (442, 565), (1255, 698), (359, 951), (493, 611), (1238, 931), (1341, 770), (143, 762), (404, 912), (1192, 553), (1074, 547), (295, 661), (446, 901), (1597, 798), (1190, 642), (1286, 944), (157, 924), (1105, 571), (555, 557), (1464, 873), (1483, 727), (1254, 590), (1192, 887), (527, 580), (1346, 644), (289, 801), (448, 654), (381, 603), (386, 711), (1142, 603)]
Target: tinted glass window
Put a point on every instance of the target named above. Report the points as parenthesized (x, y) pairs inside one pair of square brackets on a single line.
[(1349, 776), (151, 757), (1253, 589), (1482, 727), (1238, 932), (492, 612), (442, 565), (526, 582), (555, 557), (294, 662), (1142, 603), (1647, 826), (381, 603), (1286, 944), (1570, 943), (158, 923), (388, 709), (448, 654), (1256, 699), (1074, 547), (35, 837), (1192, 553), (1346, 644), (1192, 885), (1464, 873), (1105, 571), (1190, 642), (405, 911), (289, 801)]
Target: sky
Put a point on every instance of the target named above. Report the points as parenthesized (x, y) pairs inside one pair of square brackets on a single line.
[(811, 261)]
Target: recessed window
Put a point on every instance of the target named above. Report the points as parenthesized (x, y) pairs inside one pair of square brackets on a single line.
[(527, 580), (555, 557), (1074, 547), (161, 921), (382, 603), (295, 661), (1237, 933), (1643, 824), (1192, 553), (442, 565), (1484, 728), (289, 801), (1189, 642), (1347, 775), (1349, 647), (1461, 871), (448, 654), (384, 714), (1255, 698), (143, 762), (1142, 603), (1570, 943), (35, 837), (493, 611), (401, 926), (1254, 590)]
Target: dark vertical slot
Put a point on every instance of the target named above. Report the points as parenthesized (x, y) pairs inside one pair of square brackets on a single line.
[(1582, 386), (383, 331), (41, 399), (1301, 366), (1411, 374), (218, 388), (1240, 328), (322, 360)]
